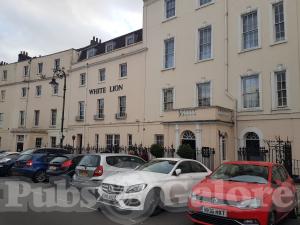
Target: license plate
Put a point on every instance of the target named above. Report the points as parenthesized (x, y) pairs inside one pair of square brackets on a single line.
[(214, 212), (52, 168), (109, 197), (83, 173)]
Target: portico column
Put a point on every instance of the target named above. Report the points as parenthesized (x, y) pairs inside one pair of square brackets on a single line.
[(177, 137), (198, 137)]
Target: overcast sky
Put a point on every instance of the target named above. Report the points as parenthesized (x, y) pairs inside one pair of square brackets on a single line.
[(45, 26)]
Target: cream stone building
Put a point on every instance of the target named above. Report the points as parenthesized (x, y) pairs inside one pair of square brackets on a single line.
[(218, 74)]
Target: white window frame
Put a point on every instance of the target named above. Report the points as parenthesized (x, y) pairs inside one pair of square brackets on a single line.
[(240, 33), (198, 43), (1, 120), (165, 18), (3, 95), (35, 118), (156, 138), (128, 37), (38, 68), (24, 96), (120, 70), (4, 75), (99, 79), (240, 94), (53, 123), (91, 52), (211, 92), (57, 65), (82, 80), (162, 99), (98, 107), (26, 71), (199, 6), (272, 22), (111, 43), (122, 107), (38, 88), (164, 54), (275, 106), (36, 141), (81, 115), (22, 118)]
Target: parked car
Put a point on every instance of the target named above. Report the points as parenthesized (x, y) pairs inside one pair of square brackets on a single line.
[(34, 163), (159, 183), (63, 168), (92, 169), (2, 151), (7, 160), (244, 193)]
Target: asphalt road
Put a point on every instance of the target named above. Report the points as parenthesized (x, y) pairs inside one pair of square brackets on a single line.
[(36, 212)]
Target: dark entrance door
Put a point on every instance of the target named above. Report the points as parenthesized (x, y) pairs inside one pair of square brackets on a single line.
[(20, 146), (79, 143), (188, 138), (253, 147)]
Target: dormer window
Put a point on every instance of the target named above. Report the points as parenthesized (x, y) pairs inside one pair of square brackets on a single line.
[(109, 46), (130, 39), (90, 53)]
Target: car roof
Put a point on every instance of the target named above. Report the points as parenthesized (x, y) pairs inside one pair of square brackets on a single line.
[(172, 159), (110, 154), (255, 163)]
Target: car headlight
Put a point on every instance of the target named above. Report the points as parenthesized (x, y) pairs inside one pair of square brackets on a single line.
[(249, 204), (193, 196), (4, 160), (136, 188)]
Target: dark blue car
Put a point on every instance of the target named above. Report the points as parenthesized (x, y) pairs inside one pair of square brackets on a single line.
[(7, 160), (34, 163)]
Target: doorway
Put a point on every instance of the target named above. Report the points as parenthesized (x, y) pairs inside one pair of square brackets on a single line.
[(20, 143), (253, 147), (188, 138)]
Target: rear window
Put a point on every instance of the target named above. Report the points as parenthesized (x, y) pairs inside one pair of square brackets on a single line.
[(28, 151), (124, 161), (59, 160), (25, 157), (90, 161)]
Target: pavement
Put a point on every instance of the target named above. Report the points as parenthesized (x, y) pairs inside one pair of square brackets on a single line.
[(35, 212)]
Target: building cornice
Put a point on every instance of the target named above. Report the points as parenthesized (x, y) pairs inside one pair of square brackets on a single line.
[(108, 59)]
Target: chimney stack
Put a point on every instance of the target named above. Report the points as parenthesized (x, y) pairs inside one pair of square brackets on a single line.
[(23, 56), (95, 41)]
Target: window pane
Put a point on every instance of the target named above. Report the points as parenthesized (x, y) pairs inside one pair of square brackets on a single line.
[(205, 43), (279, 23), (169, 53), (250, 91), (250, 30), (170, 8)]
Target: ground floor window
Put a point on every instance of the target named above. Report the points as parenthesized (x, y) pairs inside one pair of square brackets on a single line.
[(129, 140), (53, 142), (38, 142), (159, 139), (112, 141)]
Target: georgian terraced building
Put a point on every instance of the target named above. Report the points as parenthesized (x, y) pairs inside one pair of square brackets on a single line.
[(222, 74)]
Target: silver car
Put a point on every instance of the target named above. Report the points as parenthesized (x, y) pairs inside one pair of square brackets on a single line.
[(93, 169)]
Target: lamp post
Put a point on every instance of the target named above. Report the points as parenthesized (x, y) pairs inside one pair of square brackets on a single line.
[(60, 74)]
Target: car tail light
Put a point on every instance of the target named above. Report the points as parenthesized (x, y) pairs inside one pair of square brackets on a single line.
[(98, 171), (67, 164), (29, 163)]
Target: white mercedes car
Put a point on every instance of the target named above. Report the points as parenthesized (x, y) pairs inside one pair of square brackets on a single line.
[(157, 184)]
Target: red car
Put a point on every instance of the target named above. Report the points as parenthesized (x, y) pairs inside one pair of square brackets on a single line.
[(244, 193)]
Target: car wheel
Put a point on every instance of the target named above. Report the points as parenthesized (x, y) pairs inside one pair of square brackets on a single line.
[(294, 213), (39, 177), (151, 207), (272, 218)]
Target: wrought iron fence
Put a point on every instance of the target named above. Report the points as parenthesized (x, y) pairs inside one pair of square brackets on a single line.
[(205, 155), (276, 151)]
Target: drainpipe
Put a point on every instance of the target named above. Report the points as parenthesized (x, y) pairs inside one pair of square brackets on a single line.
[(226, 71)]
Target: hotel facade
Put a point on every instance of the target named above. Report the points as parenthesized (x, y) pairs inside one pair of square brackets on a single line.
[(222, 74)]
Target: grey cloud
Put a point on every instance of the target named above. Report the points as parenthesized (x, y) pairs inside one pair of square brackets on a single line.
[(43, 26)]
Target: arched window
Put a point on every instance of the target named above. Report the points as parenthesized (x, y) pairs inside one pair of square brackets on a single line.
[(188, 135), (251, 136)]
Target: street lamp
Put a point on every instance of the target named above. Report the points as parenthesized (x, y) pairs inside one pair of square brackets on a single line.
[(60, 74)]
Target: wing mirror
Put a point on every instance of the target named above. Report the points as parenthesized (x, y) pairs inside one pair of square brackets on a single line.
[(178, 172)]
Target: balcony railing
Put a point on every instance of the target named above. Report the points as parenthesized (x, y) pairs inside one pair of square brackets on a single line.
[(99, 117), (79, 118), (121, 116)]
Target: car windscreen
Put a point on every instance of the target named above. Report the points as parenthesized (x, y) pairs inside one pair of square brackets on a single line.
[(242, 173), (25, 157), (158, 166), (90, 161), (58, 160), (28, 151)]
